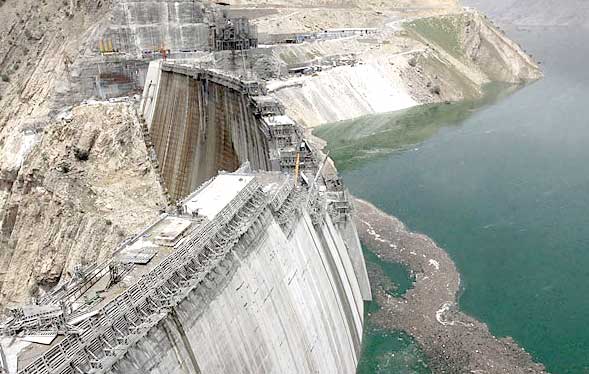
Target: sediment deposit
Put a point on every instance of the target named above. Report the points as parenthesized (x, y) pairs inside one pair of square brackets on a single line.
[(453, 341)]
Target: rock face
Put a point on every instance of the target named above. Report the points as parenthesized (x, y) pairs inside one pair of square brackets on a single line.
[(364, 78), (467, 51), (36, 38), (427, 60), (150, 25), (350, 3), (86, 186)]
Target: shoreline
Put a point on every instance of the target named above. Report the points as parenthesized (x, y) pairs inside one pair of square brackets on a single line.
[(452, 341)]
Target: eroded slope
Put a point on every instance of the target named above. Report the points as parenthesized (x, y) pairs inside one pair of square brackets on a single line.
[(86, 186), (427, 60)]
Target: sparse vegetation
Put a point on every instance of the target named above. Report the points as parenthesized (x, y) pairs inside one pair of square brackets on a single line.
[(64, 168), (81, 155), (443, 31)]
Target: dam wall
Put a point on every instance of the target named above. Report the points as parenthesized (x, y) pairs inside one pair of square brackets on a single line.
[(200, 124), (202, 121), (250, 275), (284, 305)]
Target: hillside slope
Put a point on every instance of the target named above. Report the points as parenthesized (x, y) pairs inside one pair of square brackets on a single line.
[(86, 186), (434, 59), (474, 48)]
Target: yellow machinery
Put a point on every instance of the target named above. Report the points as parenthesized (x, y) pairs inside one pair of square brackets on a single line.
[(297, 165)]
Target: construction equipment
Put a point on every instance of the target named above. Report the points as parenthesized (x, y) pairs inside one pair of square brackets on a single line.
[(105, 46)]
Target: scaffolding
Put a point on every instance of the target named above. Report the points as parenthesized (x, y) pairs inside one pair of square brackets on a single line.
[(234, 34), (97, 336), (106, 336)]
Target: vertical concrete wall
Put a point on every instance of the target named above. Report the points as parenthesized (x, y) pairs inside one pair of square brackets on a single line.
[(146, 25), (352, 243), (282, 305), (198, 128)]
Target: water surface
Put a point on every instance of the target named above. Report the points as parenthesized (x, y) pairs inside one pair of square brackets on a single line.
[(504, 187), (384, 351)]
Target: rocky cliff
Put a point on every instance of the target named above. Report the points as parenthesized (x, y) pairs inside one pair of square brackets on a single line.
[(469, 46), (425, 60), (83, 188)]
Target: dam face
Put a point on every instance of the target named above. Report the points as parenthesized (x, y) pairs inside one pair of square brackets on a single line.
[(276, 304), (291, 299), (255, 271), (202, 124)]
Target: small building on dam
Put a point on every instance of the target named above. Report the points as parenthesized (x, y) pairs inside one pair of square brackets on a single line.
[(255, 268)]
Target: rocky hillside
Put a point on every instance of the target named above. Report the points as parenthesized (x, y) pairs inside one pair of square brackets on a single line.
[(466, 51), (72, 185), (37, 38), (374, 4), (283, 16), (84, 188), (426, 60)]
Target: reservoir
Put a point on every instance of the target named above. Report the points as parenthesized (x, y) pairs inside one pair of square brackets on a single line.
[(503, 185)]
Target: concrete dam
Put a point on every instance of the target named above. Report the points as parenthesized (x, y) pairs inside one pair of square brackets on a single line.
[(202, 122), (256, 269)]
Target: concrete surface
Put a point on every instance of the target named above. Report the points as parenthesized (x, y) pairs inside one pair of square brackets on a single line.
[(286, 305), (200, 127)]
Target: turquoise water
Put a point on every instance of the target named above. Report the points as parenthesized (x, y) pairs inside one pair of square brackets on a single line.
[(390, 352), (386, 351), (397, 279), (504, 187)]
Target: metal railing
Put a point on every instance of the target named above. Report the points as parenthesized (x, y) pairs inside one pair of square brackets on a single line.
[(105, 337)]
